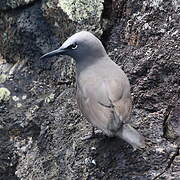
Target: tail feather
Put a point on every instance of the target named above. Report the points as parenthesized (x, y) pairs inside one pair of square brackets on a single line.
[(130, 135)]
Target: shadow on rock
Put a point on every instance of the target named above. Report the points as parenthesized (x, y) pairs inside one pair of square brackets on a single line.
[(114, 153)]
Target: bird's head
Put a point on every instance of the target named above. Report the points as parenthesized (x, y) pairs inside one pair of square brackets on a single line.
[(80, 46)]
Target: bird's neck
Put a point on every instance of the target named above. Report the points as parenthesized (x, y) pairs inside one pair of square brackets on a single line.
[(86, 64)]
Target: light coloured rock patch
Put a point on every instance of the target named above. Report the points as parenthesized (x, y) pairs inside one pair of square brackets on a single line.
[(4, 94)]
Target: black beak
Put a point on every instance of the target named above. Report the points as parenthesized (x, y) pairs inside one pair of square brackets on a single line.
[(59, 51)]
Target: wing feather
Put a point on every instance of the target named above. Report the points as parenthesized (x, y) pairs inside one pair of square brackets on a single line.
[(105, 103)]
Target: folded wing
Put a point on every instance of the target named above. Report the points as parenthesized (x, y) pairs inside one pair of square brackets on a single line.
[(105, 103)]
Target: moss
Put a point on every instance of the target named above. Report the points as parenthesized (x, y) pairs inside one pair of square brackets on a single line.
[(4, 94)]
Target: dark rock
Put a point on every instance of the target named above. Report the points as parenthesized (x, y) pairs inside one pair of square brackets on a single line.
[(25, 34), (11, 4), (41, 125), (172, 122)]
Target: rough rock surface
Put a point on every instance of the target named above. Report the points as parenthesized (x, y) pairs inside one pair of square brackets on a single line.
[(40, 124), (11, 4)]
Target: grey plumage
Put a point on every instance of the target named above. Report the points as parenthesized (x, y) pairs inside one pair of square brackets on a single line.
[(103, 89)]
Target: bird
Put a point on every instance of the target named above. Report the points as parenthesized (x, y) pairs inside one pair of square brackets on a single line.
[(102, 88)]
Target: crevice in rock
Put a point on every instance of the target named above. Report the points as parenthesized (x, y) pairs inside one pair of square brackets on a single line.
[(165, 126), (171, 160), (171, 124), (107, 11), (110, 16), (165, 132), (106, 15)]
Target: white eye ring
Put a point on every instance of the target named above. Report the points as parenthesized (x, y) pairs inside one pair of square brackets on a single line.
[(74, 46)]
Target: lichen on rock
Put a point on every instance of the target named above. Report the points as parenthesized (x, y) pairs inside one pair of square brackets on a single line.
[(4, 94), (84, 12), (3, 78)]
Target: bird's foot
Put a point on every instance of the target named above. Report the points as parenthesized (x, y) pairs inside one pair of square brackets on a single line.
[(94, 134)]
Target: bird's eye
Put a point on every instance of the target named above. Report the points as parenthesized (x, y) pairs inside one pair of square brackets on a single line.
[(74, 46)]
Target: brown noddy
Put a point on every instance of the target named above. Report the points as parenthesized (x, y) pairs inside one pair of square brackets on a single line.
[(103, 89)]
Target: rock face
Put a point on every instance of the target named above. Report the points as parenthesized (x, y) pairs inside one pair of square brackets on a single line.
[(40, 124), (11, 4)]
